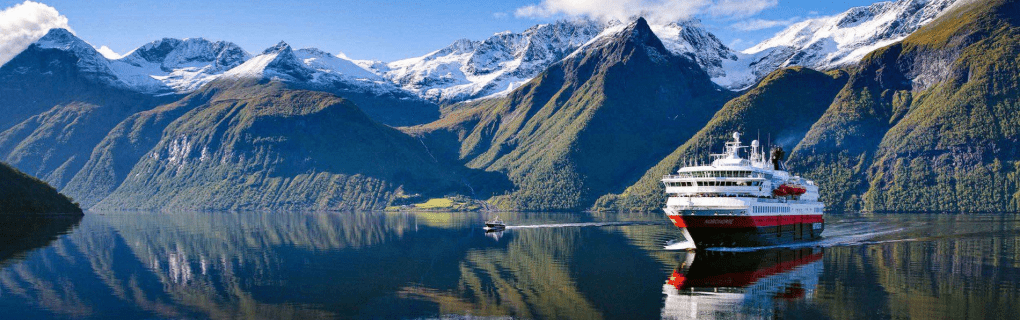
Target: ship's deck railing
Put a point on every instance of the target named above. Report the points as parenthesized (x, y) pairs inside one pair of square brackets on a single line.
[(751, 177)]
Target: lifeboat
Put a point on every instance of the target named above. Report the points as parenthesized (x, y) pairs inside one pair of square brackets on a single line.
[(787, 190)]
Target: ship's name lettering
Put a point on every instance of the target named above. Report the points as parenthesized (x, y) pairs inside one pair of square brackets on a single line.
[(719, 221)]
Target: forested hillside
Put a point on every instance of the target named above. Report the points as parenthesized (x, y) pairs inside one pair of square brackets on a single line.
[(928, 124), (23, 194), (260, 145)]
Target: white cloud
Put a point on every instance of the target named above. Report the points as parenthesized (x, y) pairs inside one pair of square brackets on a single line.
[(735, 43), (109, 53), (760, 24), (23, 24), (654, 10)]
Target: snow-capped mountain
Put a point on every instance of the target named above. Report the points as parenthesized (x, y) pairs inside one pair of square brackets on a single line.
[(174, 65), (318, 70), (835, 41), (471, 69), (181, 66), (690, 38), (90, 61), (310, 67), (160, 67)]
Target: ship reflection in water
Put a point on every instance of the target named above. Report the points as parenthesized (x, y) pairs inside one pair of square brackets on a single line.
[(494, 234), (740, 284)]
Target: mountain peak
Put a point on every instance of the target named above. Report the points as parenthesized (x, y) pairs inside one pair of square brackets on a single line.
[(279, 47), (60, 38), (641, 22), (637, 33), (640, 31)]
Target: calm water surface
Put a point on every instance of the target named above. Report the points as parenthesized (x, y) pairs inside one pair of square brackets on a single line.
[(550, 265)]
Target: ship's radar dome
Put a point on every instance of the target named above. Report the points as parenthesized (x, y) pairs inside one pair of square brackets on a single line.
[(754, 143)]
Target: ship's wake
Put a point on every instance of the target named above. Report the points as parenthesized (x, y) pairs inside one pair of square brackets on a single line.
[(590, 224), (848, 234), (853, 234)]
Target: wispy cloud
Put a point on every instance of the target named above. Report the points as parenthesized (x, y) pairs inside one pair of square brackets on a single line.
[(736, 43), (109, 53), (760, 24), (500, 15), (655, 10), (23, 24)]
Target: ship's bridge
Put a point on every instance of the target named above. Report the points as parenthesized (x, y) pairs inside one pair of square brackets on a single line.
[(728, 174)]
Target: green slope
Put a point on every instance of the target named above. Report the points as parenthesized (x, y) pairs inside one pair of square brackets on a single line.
[(928, 124), (588, 125), (111, 160), (24, 194), (54, 115), (778, 107), (263, 146)]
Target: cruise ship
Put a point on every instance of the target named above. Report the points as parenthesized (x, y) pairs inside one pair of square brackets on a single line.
[(733, 201)]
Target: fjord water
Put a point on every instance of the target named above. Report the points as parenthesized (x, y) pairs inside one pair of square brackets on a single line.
[(561, 265)]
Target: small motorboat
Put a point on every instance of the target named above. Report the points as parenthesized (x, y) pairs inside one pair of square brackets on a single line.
[(495, 224)]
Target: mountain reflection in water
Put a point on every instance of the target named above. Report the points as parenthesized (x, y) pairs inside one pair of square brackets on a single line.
[(426, 265)]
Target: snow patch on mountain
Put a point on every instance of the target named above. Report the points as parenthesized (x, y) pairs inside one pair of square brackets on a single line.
[(843, 39), (471, 69), (691, 39), (177, 66), (90, 61), (495, 66), (313, 67)]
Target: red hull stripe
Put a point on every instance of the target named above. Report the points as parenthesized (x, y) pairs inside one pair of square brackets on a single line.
[(744, 221)]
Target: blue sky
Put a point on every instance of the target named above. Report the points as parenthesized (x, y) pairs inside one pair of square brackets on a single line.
[(391, 30)]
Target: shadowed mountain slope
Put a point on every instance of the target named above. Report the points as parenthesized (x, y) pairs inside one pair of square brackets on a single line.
[(778, 106)]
